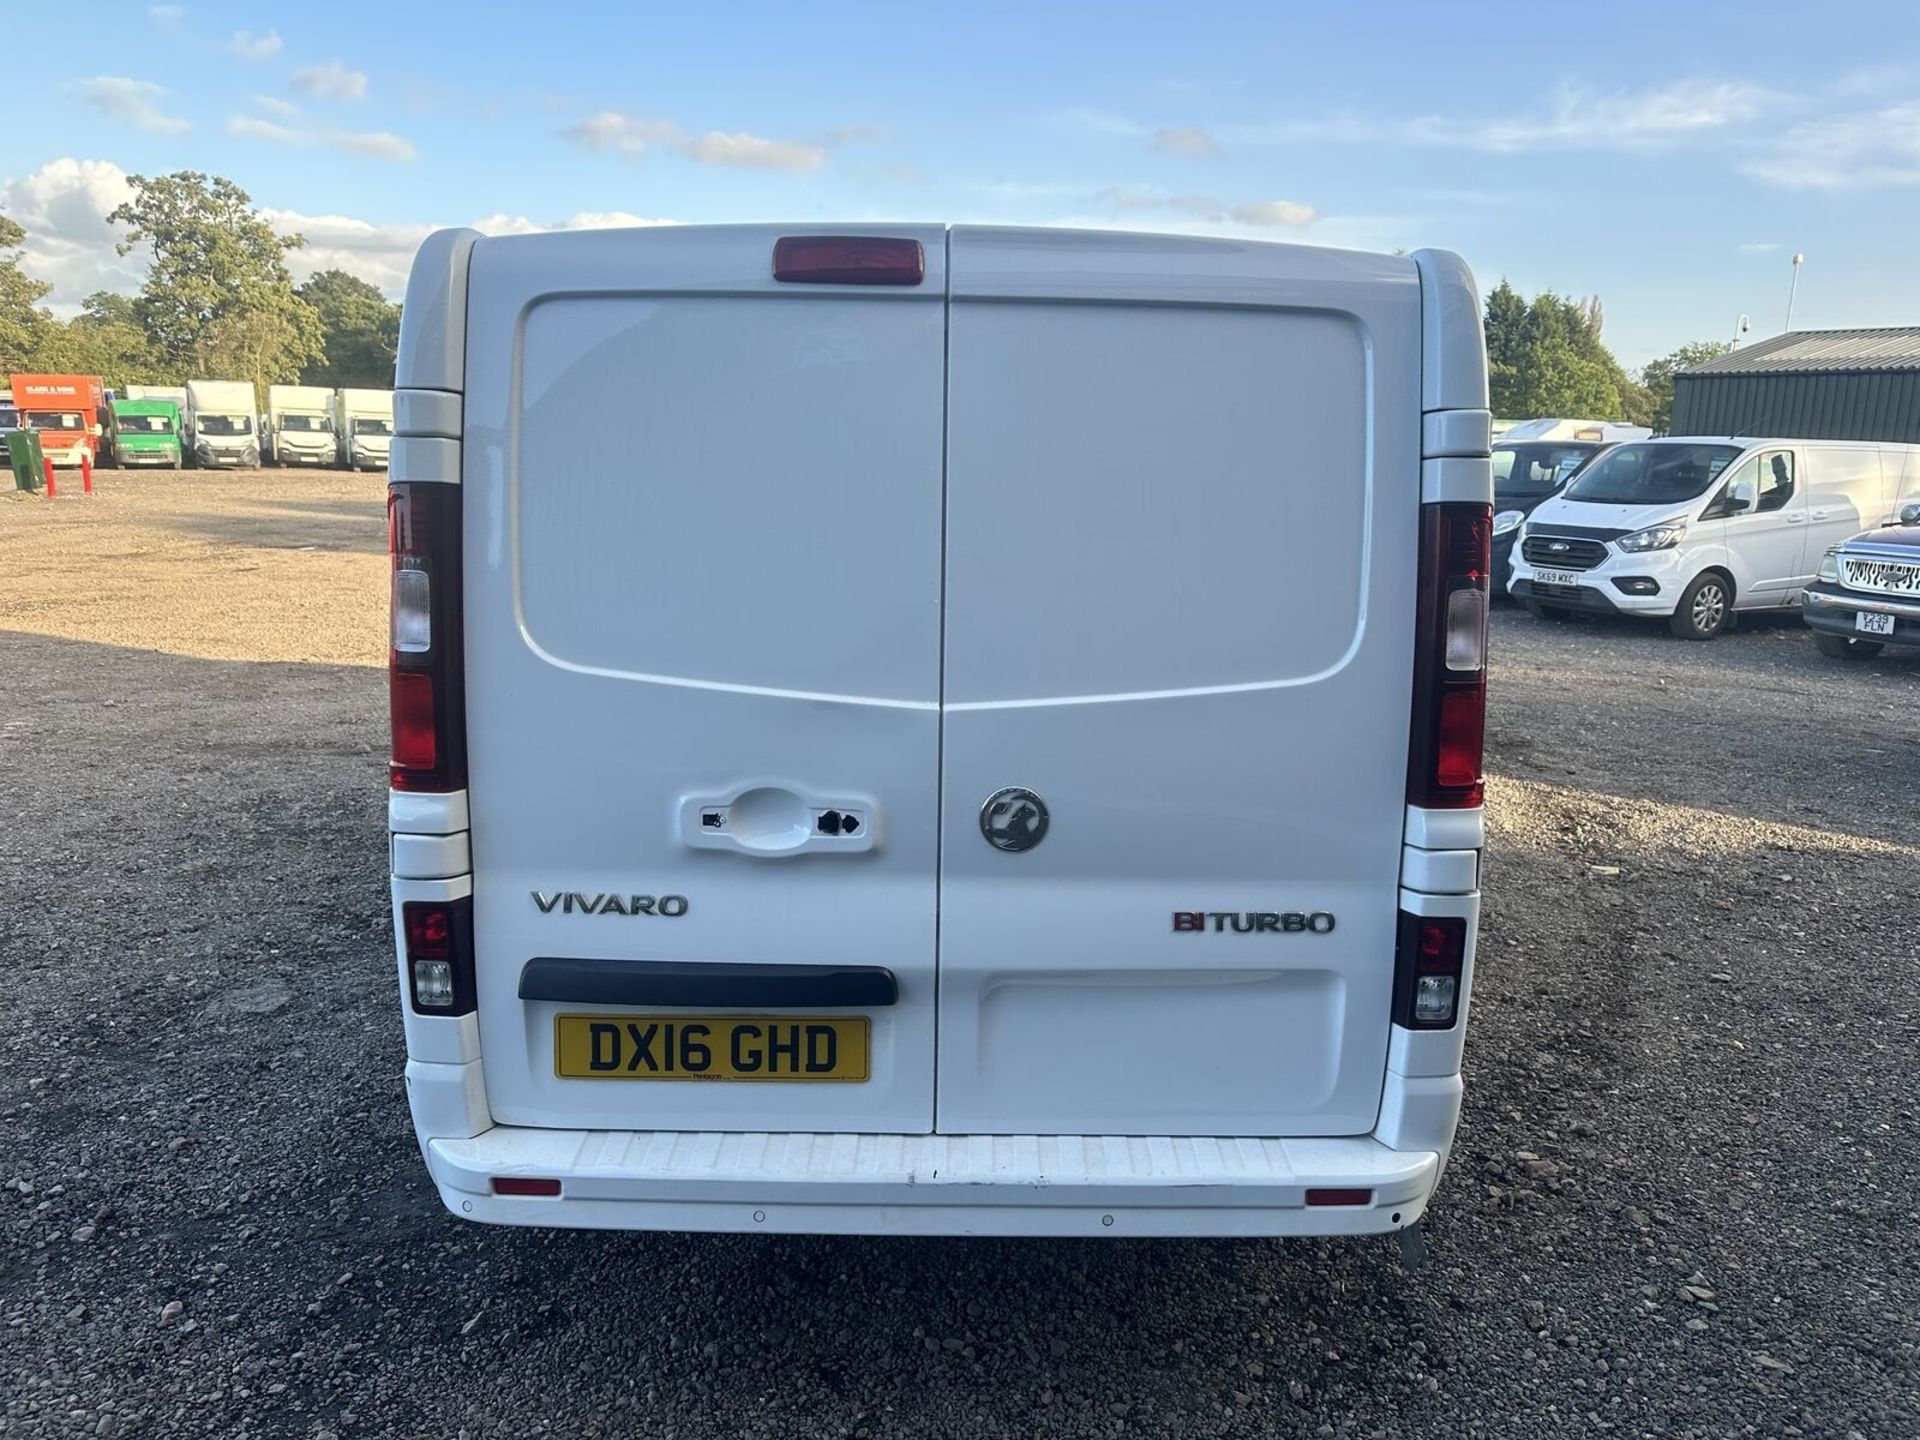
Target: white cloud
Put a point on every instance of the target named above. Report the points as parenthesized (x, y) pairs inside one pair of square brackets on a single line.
[(1184, 140), (1866, 149), (135, 102), (382, 254), (1246, 215), (274, 105), (166, 15), (63, 207), (376, 144), (1759, 247), (718, 147), (249, 46), (608, 130), (611, 132), (1576, 118), (331, 81)]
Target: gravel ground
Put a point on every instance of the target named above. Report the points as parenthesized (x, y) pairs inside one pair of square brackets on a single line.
[(1683, 1201)]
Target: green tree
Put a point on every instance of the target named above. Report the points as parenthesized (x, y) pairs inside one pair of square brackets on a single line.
[(105, 339), (218, 299), (1546, 357), (24, 326), (1657, 377), (361, 329), (1506, 317)]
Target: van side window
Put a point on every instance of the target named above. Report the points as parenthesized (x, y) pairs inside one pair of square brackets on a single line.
[(1776, 480)]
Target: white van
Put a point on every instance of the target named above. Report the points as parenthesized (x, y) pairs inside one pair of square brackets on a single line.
[(1693, 529), (989, 744)]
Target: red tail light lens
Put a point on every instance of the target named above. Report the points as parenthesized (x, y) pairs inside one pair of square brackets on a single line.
[(1444, 769), (437, 936), (848, 260), (1428, 961), (425, 677)]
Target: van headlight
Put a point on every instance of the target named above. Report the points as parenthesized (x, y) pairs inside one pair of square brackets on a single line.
[(1830, 567), (1507, 520), (1654, 537)]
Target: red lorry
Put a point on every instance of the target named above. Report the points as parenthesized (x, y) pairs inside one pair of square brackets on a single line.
[(66, 410)]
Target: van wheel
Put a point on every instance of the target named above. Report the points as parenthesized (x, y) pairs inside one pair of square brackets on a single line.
[(1542, 612), (1841, 647), (1705, 607)]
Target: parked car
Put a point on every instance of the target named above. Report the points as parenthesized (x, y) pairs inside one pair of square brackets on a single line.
[(1524, 476), (1692, 530), (1866, 595), (951, 679)]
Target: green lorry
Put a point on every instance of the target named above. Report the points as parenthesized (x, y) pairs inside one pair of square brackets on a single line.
[(147, 432)]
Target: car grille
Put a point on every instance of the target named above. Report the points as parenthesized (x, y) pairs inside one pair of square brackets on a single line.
[(1563, 552), (1892, 577)]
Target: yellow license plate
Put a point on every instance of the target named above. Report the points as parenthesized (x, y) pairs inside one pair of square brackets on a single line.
[(710, 1047)]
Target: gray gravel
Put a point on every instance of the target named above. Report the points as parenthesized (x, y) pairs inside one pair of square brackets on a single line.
[(1683, 1201)]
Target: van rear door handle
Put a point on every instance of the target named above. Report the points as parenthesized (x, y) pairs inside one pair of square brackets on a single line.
[(1819, 514)]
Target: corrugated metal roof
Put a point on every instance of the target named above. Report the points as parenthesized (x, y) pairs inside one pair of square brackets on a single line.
[(1801, 352)]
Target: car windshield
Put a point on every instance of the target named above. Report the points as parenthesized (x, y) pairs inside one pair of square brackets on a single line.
[(372, 427), (1648, 474), (1536, 469), (224, 424), (144, 425), (9, 418), (57, 420), (313, 424)]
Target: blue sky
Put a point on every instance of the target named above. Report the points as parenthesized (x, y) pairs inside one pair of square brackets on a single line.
[(1670, 158)]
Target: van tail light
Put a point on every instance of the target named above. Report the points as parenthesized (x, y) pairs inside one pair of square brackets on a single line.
[(1450, 658), (848, 260), (437, 938), (426, 680), (1428, 960)]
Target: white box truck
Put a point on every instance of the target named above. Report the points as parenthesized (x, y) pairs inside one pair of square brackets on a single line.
[(363, 428), (990, 744), (299, 428), (223, 423)]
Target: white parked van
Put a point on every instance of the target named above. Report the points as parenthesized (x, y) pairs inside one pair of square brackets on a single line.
[(989, 744), (299, 425), (363, 428), (223, 423), (1691, 530)]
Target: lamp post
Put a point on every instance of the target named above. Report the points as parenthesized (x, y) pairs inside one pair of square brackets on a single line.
[(1740, 328), (1791, 289)]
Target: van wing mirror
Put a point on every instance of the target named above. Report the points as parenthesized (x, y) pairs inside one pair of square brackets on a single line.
[(1910, 513), (1741, 497)]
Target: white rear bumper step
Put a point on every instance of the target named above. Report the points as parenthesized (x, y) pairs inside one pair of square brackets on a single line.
[(934, 1184)]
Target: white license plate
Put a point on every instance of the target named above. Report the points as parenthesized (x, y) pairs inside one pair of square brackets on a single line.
[(1557, 577), (1867, 623)]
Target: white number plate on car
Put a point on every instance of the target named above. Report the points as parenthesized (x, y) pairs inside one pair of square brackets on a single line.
[(1557, 577), (1867, 623)]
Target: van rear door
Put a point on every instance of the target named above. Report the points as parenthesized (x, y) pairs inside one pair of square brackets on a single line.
[(703, 559), (1183, 496)]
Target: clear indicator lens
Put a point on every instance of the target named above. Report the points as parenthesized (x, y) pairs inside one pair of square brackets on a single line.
[(433, 984), (1433, 999), (1466, 628), (412, 611)]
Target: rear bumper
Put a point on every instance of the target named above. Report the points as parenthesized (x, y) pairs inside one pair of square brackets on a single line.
[(934, 1184)]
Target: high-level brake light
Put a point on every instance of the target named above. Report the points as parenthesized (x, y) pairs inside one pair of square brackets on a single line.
[(1450, 660), (848, 260), (425, 678)]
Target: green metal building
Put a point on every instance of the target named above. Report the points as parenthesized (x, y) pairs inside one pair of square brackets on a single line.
[(1808, 385)]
